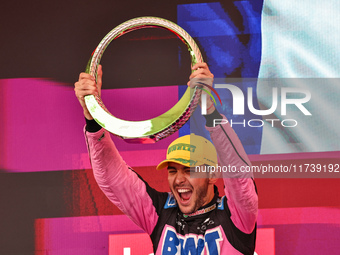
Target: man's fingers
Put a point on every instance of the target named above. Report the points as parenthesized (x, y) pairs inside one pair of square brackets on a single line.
[(201, 74), (201, 70), (85, 87), (200, 65), (86, 76)]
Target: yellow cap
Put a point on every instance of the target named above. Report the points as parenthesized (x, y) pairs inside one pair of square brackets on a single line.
[(190, 150)]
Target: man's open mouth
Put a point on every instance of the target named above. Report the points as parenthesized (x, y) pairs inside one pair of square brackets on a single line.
[(184, 194)]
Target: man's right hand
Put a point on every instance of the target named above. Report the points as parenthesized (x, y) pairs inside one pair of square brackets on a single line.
[(86, 85)]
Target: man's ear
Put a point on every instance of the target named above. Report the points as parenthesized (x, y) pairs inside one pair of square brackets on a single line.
[(213, 177)]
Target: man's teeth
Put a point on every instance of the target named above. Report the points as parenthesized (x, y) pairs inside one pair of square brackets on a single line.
[(183, 190)]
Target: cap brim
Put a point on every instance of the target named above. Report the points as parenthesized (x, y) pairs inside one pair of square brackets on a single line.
[(165, 163), (184, 162)]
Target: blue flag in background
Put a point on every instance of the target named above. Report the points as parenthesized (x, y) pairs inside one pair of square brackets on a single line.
[(272, 39)]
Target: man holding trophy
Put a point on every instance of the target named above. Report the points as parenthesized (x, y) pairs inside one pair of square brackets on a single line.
[(192, 218)]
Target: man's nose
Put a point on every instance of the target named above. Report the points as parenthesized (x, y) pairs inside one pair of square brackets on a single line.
[(180, 177)]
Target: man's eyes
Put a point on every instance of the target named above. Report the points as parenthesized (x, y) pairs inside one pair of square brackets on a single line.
[(175, 171), (172, 171), (188, 171)]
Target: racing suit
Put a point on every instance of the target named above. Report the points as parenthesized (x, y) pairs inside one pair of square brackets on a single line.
[(227, 225)]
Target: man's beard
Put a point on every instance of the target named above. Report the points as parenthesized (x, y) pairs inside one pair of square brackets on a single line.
[(201, 194)]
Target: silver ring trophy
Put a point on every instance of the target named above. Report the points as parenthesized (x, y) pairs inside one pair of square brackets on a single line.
[(152, 130)]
